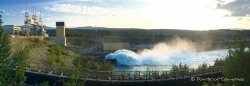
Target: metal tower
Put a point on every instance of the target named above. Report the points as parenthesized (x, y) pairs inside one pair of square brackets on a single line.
[(43, 32), (34, 21), (34, 17), (27, 29), (40, 19)]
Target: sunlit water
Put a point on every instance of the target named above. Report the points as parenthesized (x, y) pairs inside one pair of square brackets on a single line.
[(129, 61)]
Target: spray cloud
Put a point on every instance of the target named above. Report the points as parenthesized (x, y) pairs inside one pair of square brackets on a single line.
[(157, 55)]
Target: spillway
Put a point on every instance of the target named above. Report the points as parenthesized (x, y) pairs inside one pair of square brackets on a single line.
[(131, 61)]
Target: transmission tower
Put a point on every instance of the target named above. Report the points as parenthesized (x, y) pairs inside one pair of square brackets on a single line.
[(34, 17), (27, 29)]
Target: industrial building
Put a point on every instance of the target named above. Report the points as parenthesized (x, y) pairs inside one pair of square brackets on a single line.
[(60, 29), (114, 44), (60, 34), (35, 24)]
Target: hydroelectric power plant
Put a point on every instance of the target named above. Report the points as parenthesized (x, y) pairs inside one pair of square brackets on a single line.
[(136, 64)]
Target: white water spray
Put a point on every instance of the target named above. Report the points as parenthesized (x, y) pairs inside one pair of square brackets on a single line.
[(173, 52)]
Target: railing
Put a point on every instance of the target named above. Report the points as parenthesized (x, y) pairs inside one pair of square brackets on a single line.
[(122, 76)]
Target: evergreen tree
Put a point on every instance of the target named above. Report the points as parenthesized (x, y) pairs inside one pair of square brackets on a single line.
[(5, 73), (78, 77), (8, 76), (237, 63), (4, 42)]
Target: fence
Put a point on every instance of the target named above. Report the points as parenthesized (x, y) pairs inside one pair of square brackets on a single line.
[(121, 76)]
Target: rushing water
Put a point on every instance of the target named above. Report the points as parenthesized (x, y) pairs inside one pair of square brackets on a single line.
[(130, 61)]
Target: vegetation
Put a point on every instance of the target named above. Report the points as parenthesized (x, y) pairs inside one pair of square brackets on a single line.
[(39, 42), (20, 59), (237, 63), (211, 84), (219, 62), (8, 76), (46, 83), (90, 63), (102, 66), (133, 32), (177, 69), (55, 55), (78, 77), (4, 54)]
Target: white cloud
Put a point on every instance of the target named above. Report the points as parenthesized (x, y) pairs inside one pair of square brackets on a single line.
[(31, 13), (225, 1), (96, 1), (92, 11), (247, 15), (88, 0), (181, 14), (38, 14), (23, 11), (9, 13)]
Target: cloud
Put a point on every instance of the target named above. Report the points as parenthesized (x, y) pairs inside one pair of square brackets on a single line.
[(247, 15), (193, 14), (237, 7), (31, 13), (95, 1), (77, 9), (88, 0), (23, 11), (239, 19), (38, 14), (225, 1), (9, 13)]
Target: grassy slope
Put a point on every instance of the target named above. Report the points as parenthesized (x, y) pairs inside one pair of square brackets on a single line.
[(38, 53)]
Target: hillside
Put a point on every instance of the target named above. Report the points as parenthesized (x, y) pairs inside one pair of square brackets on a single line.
[(40, 51)]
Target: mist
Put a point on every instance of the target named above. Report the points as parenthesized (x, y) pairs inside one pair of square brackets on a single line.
[(158, 55)]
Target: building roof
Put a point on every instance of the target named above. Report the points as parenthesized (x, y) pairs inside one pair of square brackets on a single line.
[(60, 23), (115, 40), (8, 27)]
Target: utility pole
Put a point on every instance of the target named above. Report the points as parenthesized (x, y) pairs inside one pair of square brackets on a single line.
[(153, 37)]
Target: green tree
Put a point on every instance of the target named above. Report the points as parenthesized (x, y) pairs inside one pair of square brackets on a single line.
[(4, 54), (78, 77), (237, 63), (8, 76), (20, 62), (177, 69), (4, 43), (219, 62)]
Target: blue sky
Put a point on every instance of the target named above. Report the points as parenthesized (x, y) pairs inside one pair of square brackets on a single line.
[(146, 14)]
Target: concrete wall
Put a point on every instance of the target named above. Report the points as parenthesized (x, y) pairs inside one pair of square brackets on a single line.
[(58, 40), (60, 31), (115, 46)]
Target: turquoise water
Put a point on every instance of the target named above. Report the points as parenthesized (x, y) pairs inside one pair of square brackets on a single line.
[(130, 61)]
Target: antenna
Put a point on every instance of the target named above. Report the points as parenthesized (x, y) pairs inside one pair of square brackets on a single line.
[(26, 21), (40, 19), (40, 13), (26, 6), (35, 11), (27, 13), (34, 15)]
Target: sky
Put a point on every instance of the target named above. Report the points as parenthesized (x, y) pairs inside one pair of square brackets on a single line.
[(145, 14)]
